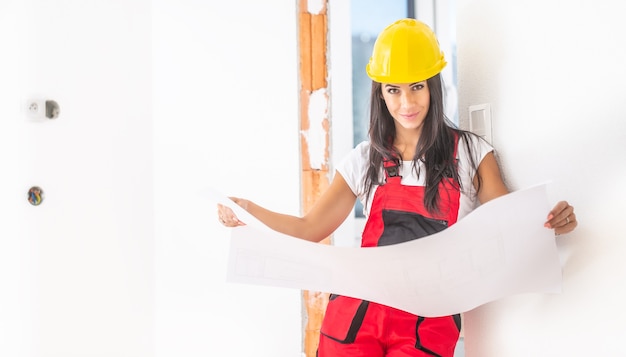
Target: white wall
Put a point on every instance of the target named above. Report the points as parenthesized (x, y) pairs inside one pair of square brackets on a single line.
[(10, 242), (159, 100), (76, 272), (553, 72), (225, 116)]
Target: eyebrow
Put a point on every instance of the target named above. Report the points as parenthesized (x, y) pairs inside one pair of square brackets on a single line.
[(394, 86)]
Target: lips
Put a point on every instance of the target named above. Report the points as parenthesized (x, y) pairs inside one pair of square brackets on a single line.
[(409, 116)]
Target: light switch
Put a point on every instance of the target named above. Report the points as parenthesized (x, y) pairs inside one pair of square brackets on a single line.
[(480, 121)]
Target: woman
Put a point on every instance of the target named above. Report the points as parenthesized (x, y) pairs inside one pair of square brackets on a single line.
[(416, 176)]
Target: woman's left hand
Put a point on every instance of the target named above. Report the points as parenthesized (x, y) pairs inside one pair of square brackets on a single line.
[(562, 218)]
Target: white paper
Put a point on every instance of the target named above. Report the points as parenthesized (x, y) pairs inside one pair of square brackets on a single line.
[(499, 249)]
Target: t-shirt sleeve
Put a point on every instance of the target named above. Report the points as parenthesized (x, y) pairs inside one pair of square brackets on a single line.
[(472, 150), (481, 149), (353, 168)]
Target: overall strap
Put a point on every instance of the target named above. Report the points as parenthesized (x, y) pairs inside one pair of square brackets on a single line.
[(392, 167)]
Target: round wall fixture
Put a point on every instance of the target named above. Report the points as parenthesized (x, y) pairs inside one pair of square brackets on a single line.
[(35, 196), (52, 109)]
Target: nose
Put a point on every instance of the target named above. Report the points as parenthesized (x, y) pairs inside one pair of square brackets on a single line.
[(406, 99)]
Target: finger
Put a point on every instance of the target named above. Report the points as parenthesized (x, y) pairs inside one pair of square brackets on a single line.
[(561, 205), (227, 216), (570, 224), (557, 209), (558, 215), (564, 217), (221, 213)]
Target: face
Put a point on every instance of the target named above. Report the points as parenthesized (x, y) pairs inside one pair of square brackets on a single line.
[(407, 103)]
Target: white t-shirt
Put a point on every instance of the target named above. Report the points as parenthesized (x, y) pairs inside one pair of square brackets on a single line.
[(353, 169)]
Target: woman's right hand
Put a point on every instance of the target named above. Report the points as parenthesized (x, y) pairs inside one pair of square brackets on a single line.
[(227, 217), (328, 212)]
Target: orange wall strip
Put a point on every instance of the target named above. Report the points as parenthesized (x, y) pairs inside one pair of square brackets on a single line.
[(314, 138)]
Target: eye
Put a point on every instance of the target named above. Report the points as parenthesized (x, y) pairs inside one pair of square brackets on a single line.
[(392, 90), (417, 86)]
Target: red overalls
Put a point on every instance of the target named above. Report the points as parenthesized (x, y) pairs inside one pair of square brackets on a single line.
[(359, 328)]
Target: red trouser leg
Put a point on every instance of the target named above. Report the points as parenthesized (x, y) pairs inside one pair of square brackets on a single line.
[(389, 332), (412, 336)]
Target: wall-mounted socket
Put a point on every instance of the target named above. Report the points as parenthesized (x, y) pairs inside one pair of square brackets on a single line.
[(42, 109)]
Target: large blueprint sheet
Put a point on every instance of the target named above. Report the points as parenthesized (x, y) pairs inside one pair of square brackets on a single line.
[(499, 249)]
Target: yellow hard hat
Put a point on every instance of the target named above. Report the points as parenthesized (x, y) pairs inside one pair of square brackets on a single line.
[(406, 51)]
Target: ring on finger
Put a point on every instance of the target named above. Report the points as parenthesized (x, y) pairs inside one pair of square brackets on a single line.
[(567, 220)]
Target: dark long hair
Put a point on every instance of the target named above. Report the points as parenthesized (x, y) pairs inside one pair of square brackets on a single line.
[(435, 146)]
